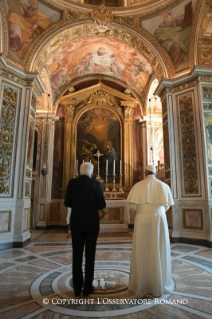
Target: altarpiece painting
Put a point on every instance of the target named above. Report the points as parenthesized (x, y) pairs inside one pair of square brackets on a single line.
[(99, 129)]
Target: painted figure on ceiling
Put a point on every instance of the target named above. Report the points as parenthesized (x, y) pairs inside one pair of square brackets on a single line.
[(207, 23), (101, 60), (98, 56), (57, 78), (24, 24), (137, 73), (174, 34)]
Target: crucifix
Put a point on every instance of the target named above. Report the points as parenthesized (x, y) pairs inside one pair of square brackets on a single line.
[(98, 155)]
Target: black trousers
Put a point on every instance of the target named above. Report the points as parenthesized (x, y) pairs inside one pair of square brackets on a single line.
[(79, 240)]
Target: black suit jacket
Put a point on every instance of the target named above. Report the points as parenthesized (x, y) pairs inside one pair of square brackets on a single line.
[(85, 196)]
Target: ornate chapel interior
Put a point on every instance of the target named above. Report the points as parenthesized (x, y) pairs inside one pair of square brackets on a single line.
[(128, 78)]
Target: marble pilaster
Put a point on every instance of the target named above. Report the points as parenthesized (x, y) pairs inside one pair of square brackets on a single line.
[(187, 160)]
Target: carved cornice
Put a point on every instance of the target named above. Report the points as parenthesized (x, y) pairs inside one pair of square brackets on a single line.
[(130, 104), (20, 77), (138, 97), (198, 74), (142, 7), (80, 95)]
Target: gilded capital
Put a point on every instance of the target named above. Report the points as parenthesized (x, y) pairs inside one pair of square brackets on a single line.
[(69, 111), (129, 107)]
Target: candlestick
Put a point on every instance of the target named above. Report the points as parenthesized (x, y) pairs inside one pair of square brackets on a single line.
[(98, 154), (106, 186), (114, 183), (106, 167), (114, 163), (76, 167), (120, 184)]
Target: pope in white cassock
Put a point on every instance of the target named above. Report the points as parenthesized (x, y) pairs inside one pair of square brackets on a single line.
[(150, 271)]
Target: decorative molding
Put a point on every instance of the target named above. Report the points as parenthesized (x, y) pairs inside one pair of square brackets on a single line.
[(26, 219), (189, 163), (100, 86), (44, 157), (192, 219), (7, 137), (28, 173), (207, 106), (42, 212), (5, 221), (28, 189), (207, 93), (38, 129), (5, 34)]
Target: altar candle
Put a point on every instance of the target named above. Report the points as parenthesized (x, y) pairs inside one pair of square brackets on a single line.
[(120, 167), (90, 161), (76, 166), (44, 167), (106, 166), (83, 161), (114, 167)]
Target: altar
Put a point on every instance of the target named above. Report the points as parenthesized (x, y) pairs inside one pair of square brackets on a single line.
[(99, 128), (115, 216)]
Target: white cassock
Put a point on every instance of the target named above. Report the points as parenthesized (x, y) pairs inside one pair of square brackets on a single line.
[(150, 270)]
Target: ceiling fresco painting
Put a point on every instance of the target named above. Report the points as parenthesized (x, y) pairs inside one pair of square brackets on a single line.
[(207, 23), (173, 29), (98, 56), (26, 20)]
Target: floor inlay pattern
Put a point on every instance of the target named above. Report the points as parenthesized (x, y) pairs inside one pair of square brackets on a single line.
[(36, 282)]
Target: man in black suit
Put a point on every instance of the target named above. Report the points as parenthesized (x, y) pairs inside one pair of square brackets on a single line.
[(85, 196)]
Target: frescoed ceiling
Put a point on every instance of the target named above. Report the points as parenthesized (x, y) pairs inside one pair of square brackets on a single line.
[(129, 43), (98, 56)]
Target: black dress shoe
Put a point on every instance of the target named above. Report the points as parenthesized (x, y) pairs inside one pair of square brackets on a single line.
[(77, 293), (87, 293)]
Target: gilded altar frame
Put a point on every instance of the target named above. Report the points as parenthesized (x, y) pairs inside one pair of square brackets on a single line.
[(99, 95)]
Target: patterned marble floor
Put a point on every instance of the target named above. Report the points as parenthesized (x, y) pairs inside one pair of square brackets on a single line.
[(36, 281)]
